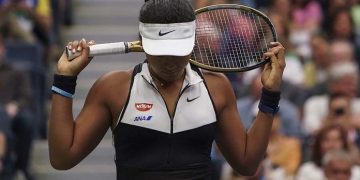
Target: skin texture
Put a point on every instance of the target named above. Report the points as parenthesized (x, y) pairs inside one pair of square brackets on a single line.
[(71, 140)]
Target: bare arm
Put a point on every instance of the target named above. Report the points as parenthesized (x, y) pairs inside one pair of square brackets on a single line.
[(70, 140), (2, 145), (243, 149)]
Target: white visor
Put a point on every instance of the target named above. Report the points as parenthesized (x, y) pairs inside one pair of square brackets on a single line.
[(176, 39)]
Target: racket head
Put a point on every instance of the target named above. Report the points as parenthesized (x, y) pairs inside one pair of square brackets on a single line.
[(231, 38)]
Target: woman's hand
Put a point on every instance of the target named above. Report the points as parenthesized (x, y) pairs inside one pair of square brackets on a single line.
[(271, 77), (75, 66)]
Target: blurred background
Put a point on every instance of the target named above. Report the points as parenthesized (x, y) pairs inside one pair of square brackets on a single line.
[(315, 136)]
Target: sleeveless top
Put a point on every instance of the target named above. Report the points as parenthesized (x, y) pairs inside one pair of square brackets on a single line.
[(149, 144)]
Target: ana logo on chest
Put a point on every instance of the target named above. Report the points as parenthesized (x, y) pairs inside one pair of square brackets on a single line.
[(142, 118), (143, 106)]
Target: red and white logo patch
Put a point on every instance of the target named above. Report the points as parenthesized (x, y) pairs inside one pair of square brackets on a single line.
[(143, 106)]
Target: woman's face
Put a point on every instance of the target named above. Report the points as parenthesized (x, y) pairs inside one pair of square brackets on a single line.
[(167, 68), (331, 141)]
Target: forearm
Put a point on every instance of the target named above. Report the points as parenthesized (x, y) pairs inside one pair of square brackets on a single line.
[(258, 138), (2, 145), (259, 134)]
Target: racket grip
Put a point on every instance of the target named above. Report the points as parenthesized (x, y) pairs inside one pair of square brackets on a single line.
[(101, 49)]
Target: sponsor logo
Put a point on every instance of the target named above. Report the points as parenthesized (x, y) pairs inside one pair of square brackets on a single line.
[(165, 33), (143, 118), (189, 100), (143, 106)]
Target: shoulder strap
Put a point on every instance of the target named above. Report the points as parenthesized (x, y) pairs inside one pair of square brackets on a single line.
[(137, 69)]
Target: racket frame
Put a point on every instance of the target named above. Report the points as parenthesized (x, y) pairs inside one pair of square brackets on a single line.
[(242, 7)]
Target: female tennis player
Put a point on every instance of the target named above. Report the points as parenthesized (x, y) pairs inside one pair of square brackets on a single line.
[(164, 113)]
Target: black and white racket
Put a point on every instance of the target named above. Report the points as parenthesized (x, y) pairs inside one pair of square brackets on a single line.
[(229, 38)]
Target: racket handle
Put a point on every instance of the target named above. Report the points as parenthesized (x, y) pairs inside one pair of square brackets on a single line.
[(101, 49)]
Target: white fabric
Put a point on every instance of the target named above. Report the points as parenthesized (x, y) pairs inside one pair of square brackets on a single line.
[(294, 71), (309, 171), (176, 39), (144, 92)]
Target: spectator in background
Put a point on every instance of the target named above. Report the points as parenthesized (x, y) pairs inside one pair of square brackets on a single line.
[(342, 50), (339, 165), (15, 92), (339, 51), (306, 20), (27, 21), (307, 15), (316, 67), (343, 79), (330, 7), (340, 112), (341, 25), (328, 138), (18, 20), (281, 7)]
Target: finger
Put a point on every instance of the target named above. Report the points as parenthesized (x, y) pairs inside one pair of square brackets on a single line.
[(273, 60), (275, 49), (276, 63), (273, 44), (80, 46), (74, 46), (85, 48), (279, 48), (69, 45), (279, 51)]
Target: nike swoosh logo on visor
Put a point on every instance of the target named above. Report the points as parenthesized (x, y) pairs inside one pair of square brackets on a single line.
[(165, 33)]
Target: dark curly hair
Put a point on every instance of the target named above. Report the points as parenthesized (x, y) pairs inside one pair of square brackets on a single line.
[(166, 11)]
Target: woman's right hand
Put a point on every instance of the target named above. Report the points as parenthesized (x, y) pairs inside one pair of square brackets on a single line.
[(75, 66)]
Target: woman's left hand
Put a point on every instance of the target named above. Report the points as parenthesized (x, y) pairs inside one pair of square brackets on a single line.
[(271, 77)]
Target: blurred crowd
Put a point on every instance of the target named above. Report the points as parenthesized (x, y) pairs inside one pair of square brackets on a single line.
[(316, 134), (30, 40)]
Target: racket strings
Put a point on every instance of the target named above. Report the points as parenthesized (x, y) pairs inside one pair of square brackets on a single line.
[(230, 38)]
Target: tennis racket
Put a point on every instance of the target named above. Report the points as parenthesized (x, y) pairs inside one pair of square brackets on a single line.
[(229, 38)]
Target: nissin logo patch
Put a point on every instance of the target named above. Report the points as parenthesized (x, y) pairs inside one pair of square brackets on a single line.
[(142, 118), (143, 106)]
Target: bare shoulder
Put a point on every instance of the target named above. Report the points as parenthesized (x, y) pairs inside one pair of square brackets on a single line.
[(112, 90), (114, 79), (214, 77), (219, 87), (216, 81)]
